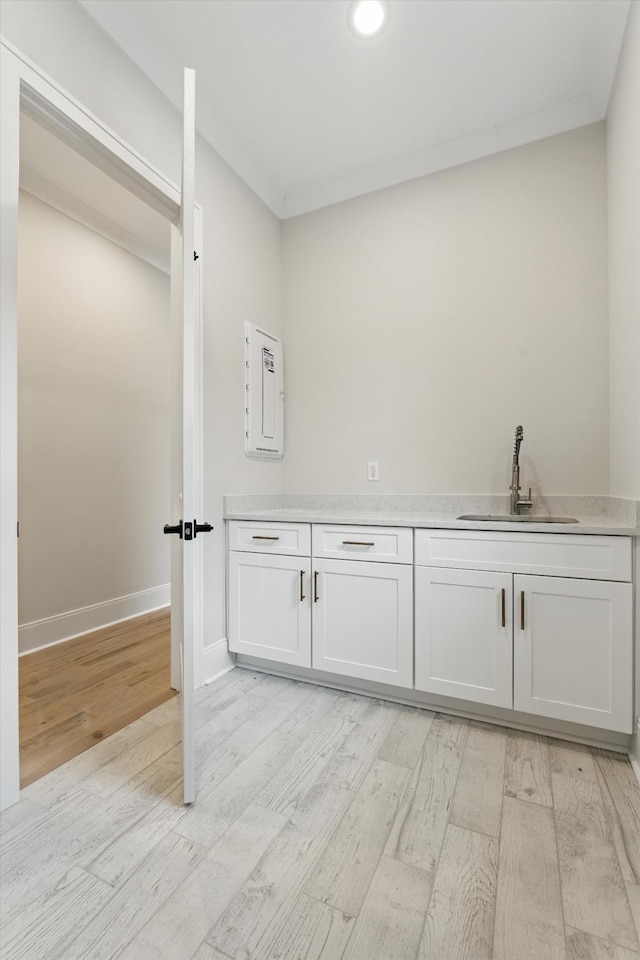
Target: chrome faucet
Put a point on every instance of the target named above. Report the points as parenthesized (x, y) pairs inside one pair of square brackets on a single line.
[(516, 505)]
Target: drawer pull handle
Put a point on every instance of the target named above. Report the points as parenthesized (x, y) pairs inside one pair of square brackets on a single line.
[(522, 609), (503, 604), (315, 586), (301, 586), (358, 543), (258, 536)]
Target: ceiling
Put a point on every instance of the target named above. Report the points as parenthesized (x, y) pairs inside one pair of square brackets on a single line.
[(310, 115)]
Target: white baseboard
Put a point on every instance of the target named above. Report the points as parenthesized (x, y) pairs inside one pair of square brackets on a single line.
[(634, 752), (216, 660), (65, 626)]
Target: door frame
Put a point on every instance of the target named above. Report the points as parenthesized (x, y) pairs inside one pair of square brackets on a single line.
[(23, 85)]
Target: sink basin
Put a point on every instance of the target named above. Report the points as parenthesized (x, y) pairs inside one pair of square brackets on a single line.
[(518, 518)]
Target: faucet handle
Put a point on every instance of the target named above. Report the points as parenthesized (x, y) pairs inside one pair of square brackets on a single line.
[(528, 502)]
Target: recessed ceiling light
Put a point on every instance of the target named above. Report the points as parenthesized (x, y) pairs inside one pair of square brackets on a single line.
[(366, 18)]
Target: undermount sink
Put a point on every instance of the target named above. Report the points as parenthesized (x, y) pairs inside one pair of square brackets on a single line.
[(516, 518)]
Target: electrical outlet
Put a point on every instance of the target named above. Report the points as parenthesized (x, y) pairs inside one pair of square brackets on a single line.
[(372, 470)]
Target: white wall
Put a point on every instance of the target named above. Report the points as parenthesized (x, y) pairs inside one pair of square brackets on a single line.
[(623, 167), (423, 322), (241, 250), (93, 406), (243, 281)]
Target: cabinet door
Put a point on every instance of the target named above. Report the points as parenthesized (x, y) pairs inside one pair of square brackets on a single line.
[(572, 650), (463, 634), (363, 620), (269, 610)]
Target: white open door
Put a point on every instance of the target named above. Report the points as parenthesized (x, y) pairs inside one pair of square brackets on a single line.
[(185, 447)]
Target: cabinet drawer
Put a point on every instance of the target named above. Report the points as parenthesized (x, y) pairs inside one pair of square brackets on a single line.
[(291, 539), (556, 555), (384, 544)]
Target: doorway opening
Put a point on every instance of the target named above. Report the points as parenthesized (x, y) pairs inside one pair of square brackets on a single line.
[(25, 87), (94, 453)]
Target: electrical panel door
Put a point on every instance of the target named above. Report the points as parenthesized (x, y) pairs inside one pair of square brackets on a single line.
[(264, 395)]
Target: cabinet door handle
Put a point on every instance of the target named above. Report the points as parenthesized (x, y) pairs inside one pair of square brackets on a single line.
[(358, 543), (257, 536), (315, 586), (301, 586), (522, 609), (503, 606)]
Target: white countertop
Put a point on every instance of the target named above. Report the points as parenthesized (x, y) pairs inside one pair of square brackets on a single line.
[(594, 524)]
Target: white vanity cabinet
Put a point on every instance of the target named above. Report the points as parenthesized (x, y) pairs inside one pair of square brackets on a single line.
[(552, 610), (363, 602), (269, 612), (348, 610), (533, 622)]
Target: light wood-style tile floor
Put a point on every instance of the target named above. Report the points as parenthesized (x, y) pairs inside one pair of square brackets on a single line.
[(327, 826)]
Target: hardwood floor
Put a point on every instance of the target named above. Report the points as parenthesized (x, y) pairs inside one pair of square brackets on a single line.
[(77, 693), (327, 826)]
